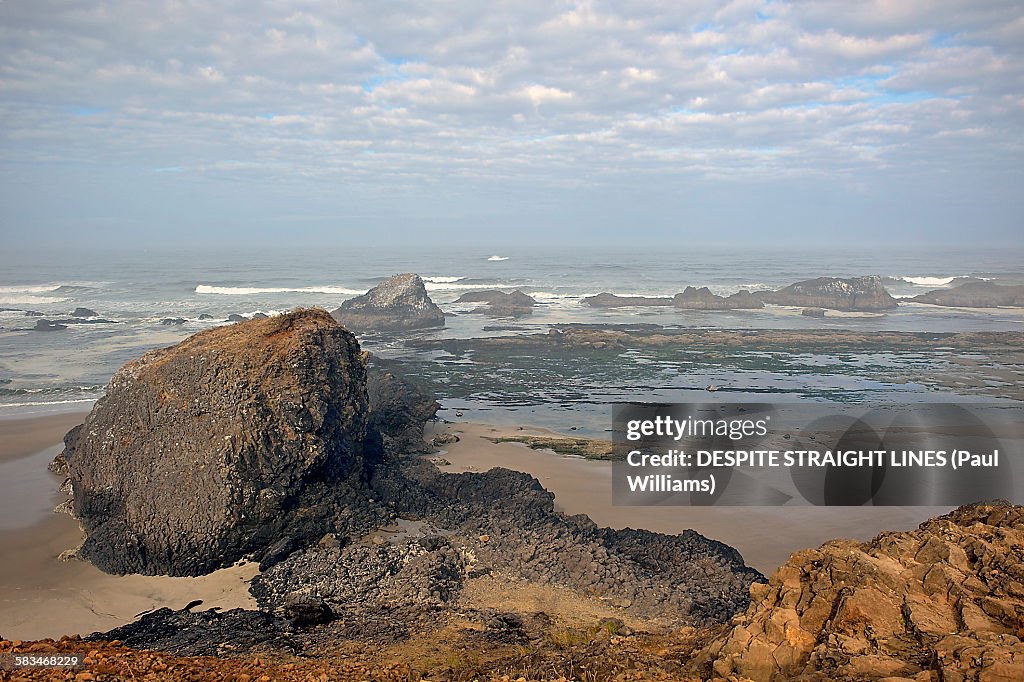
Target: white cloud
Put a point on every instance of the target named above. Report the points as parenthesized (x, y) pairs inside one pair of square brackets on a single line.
[(350, 92)]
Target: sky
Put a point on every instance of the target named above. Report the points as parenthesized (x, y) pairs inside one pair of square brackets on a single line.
[(664, 123)]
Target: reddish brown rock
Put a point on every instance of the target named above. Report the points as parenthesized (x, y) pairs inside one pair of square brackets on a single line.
[(945, 601)]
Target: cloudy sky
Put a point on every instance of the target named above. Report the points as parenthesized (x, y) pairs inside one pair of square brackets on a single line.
[(671, 122)]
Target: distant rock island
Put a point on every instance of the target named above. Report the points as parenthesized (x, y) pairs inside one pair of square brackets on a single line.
[(500, 303), (398, 303), (974, 294), (852, 294), (835, 293), (702, 299)]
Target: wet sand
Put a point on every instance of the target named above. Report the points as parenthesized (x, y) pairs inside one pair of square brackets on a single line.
[(43, 596), (765, 536)]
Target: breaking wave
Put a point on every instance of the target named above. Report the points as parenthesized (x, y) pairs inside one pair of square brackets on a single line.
[(248, 291)]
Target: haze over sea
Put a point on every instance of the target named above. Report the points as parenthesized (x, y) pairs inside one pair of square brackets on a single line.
[(67, 369)]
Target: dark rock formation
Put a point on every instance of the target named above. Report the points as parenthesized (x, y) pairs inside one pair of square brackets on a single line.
[(205, 316), (855, 293), (171, 321), (398, 411), (813, 312), (399, 302), (235, 317), (49, 326), (606, 300), (945, 598), (507, 523), (259, 316), (212, 450), (974, 295), (203, 633), (499, 303), (84, 312), (703, 299)]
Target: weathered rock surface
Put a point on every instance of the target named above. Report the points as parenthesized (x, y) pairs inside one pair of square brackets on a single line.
[(399, 302), (204, 633), (813, 312), (209, 451), (84, 312), (505, 522), (702, 299), (398, 411), (500, 303), (853, 294), (974, 295), (943, 602)]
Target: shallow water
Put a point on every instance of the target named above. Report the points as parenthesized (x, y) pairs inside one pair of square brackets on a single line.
[(138, 289)]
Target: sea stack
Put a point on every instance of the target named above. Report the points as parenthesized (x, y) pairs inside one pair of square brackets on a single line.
[(499, 303), (212, 450), (692, 298), (974, 295), (835, 293), (398, 303)]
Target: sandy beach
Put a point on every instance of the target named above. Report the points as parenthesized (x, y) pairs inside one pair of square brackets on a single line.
[(43, 596), (765, 536)]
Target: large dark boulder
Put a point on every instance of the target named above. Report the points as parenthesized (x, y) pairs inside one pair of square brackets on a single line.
[(692, 298), (399, 302), (212, 450), (606, 300), (84, 312), (835, 293), (974, 295)]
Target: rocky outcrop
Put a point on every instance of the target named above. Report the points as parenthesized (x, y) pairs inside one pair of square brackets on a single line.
[(500, 303), (505, 523), (398, 411), (48, 326), (84, 312), (974, 295), (702, 299), (211, 450), (399, 302), (813, 312), (943, 602), (607, 300), (853, 294)]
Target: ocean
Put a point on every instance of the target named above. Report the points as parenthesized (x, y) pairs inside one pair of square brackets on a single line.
[(137, 290)]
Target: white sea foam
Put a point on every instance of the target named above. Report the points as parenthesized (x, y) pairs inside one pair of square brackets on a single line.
[(442, 280), (43, 403), (454, 286), (928, 281), (13, 298), (248, 291), (29, 288), (495, 259)]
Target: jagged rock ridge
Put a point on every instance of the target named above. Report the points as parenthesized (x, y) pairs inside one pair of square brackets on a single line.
[(947, 598)]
